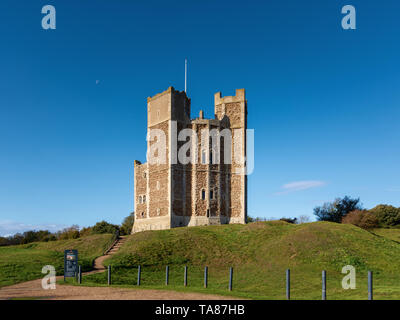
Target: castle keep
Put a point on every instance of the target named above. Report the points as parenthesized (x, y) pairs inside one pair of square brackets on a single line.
[(209, 189)]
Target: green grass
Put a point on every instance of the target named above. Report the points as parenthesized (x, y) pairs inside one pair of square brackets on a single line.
[(260, 253), (392, 234), (24, 262)]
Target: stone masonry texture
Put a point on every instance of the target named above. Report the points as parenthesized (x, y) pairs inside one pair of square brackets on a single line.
[(172, 194)]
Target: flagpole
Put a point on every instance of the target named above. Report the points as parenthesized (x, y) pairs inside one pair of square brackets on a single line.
[(185, 74)]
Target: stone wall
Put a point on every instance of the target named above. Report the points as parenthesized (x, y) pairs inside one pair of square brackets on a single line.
[(191, 194), (140, 190)]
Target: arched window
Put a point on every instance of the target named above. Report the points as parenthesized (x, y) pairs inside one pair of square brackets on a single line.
[(211, 194), (203, 194), (203, 157), (140, 199), (144, 199), (142, 214)]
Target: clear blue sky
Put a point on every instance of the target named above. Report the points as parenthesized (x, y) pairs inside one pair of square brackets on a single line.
[(324, 102)]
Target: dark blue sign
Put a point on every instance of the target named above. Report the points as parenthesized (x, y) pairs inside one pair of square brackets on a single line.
[(70, 263)]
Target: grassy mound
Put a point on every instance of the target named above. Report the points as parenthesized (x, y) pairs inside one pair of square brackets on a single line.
[(392, 234), (260, 253), (24, 262)]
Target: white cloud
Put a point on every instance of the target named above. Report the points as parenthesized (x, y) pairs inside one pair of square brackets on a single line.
[(300, 185), (393, 189), (9, 227)]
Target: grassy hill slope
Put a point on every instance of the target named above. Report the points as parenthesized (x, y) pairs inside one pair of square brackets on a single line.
[(24, 262), (260, 253), (392, 234)]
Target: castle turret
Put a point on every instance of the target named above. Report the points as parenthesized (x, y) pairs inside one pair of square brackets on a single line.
[(233, 110)]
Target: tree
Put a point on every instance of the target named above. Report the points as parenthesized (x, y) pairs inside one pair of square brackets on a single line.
[(17, 238), (388, 216), (104, 227), (33, 236), (303, 219), (84, 232), (361, 218), (4, 241), (256, 219), (289, 220), (127, 224), (249, 219), (335, 211), (68, 233)]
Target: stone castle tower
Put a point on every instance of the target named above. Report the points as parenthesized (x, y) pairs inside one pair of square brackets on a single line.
[(204, 191)]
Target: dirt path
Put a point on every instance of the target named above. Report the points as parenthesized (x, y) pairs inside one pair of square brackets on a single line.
[(33, 289), (98, 262)]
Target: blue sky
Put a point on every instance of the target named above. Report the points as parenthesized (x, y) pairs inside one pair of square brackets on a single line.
[(323, 101)]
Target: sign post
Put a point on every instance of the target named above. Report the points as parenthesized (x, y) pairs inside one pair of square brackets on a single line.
[(80, 275), (70, 263)]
